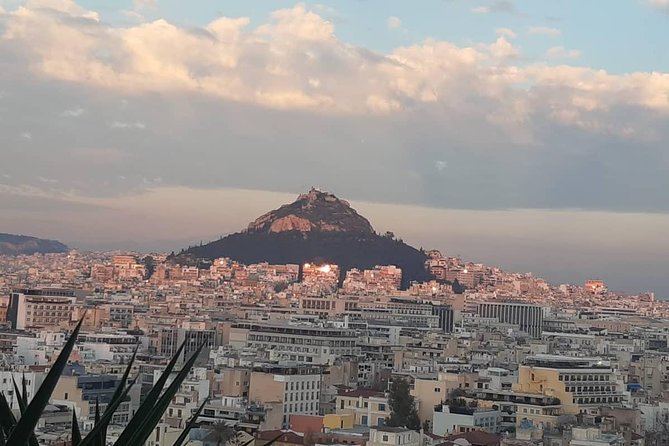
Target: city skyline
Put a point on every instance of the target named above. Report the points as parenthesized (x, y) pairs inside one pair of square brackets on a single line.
[(512, 124)]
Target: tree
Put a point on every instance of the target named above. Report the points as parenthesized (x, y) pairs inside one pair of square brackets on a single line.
[(150, 265), (458, 288), (220, 433), (402, 406)]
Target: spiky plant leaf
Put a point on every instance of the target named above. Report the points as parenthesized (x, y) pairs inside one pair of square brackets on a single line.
[(145, 408), (119, 390), (140, 436), (97, 438), (2, 438), (26, 424), (7, 418), (22, 399), (19, 397), (76, 433), (184, 435), (24, 395), (101, 423)]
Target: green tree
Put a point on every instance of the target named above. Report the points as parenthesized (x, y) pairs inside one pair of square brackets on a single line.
[(402, 406), (458, 288)]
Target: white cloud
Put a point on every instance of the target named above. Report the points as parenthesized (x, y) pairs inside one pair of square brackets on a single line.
[(26, 135), (544, 30), (506, 32), (559, 52), (481, 10), (394, 22), (127, 125), (662, 5), (72, 113), (295, 61)]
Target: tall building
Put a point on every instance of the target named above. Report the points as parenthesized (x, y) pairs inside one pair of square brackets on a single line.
[(529, 318), (294, 389), (302, 343), (42, 307), (446, 317), (583, 385)]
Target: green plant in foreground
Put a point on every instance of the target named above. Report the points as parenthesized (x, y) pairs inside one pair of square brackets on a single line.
[(20, 432)]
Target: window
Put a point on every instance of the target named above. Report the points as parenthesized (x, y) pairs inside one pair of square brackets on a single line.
[(437, 390), (382, 407), (385, 438), (66, 395)]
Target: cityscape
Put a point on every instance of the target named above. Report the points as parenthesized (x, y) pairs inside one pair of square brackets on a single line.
[(334, 223)]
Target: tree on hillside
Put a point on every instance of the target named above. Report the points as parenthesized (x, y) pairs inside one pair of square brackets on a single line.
[(458, 288), (402, 406)]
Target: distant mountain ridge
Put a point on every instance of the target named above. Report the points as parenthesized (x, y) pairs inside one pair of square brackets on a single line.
[(316, 227), (12, 245)]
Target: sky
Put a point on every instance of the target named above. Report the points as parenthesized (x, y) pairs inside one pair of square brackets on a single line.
[(531, 135)]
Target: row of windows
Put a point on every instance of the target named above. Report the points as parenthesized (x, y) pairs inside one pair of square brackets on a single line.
[(584, 378), (300, 407), (302, 396), (303, 385), (596, 400), (589, 388)]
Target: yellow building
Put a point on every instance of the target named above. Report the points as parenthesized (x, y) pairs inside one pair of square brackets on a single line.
[(582, 385), (338, 421), (367, 407)]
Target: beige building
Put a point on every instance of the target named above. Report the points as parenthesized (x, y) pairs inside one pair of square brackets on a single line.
[(232, 382), (40, 308), (369, 407), (292, 389), (393, 436), (583, 385), (432, 391)]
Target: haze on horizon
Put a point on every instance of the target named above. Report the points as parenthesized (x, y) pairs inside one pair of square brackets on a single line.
[(530, 135)]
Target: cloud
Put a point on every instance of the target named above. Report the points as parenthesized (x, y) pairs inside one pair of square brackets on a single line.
[(72, 113), (235, 104), (394, 22), (128, 125), (544, 30), (26, 135), (506, 32), (496, 7), (660, 5), (559, 52)]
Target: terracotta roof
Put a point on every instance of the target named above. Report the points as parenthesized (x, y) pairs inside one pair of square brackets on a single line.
[(477, 438), (365, 393)]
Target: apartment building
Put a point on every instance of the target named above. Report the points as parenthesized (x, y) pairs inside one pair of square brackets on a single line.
[(43, 307), (450, 419), (296, 389), (528, 318), (301, 343), (369, 407), (582, 385)]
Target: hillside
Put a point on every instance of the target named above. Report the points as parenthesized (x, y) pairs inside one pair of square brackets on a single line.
[(11, 245), (317, 227)]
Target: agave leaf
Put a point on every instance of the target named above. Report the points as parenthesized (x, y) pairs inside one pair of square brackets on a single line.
[(140, 436), (120, 389), (25, 426), (2, 438), (19, 397), (101, 423), (184, 435), (24, 395), (7, 418), (97, 439), (22, 399), (76, 433), (145, 408)]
